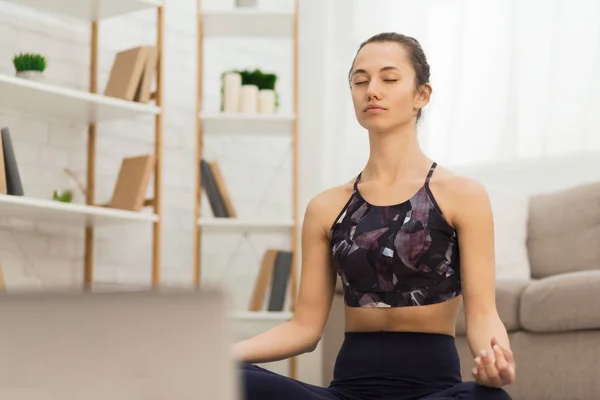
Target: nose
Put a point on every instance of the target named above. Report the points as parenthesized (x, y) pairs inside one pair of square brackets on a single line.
[(373, 90)]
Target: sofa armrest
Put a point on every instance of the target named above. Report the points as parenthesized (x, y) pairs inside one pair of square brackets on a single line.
[(508, 294), (563, 302)]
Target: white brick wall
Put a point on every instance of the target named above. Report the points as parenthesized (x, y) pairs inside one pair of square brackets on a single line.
[(257, 169)]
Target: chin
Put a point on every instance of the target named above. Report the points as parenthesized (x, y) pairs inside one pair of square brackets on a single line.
[(377, 126)]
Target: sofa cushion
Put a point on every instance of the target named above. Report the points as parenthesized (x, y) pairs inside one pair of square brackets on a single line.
[(510, 213), (507, 303), (562, 303), (563, 231)]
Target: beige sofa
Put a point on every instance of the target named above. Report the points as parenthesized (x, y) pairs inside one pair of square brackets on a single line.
[(553, 319)]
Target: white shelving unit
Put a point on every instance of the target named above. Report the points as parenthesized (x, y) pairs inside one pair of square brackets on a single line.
[(241, 225), (261, 315), (50, 102), (89, 10), (234, 24), (259, 124), (50, 211), (248, 22)]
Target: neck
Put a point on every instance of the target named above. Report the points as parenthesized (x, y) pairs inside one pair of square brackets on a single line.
[(395, 154)]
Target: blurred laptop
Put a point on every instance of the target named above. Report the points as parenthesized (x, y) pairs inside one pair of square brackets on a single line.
[(145, 345)]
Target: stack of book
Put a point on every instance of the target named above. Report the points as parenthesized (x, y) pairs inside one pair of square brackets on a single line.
[(273, 280), (216, 190), (132, 74)]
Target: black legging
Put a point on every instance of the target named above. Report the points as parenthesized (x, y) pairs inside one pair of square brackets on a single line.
[(379, 366)]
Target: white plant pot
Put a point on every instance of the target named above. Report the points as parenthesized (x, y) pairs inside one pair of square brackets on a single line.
[(249, 99), (232, 86), (31, 75), (246, 3), (266, 101)]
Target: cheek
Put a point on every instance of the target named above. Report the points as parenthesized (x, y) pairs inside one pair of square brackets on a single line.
[(403, 97), (357, 98)]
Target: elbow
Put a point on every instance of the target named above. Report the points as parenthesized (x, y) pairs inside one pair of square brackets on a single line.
[(314, 343), (311, 336)]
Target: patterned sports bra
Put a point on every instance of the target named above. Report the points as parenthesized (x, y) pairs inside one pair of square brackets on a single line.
[(395, 256)]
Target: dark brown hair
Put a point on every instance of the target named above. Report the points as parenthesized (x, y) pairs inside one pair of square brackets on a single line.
[(415, 53)]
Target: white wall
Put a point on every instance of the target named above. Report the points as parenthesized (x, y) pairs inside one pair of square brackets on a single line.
[(500, 73), (257, 170)]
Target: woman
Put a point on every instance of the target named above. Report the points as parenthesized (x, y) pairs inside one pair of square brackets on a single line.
[(393, 235)]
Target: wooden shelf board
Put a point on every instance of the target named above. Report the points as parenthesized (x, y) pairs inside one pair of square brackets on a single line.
[(235, 224), (89, 10), (247, 23), (260, 315), (50, 211), (217, 123), (46, 101)]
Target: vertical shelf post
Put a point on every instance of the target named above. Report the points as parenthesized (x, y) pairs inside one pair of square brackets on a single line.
[(88, 274), (293, 284), (158, 150), (197, 237)]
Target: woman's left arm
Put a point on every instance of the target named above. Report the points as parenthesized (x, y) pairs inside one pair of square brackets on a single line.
[(486, 334)]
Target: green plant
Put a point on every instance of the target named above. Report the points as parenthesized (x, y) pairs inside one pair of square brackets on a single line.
[(29, 62), (66, 196), (258, 78)]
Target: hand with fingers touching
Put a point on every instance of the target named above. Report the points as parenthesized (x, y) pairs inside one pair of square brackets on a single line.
[(495, 371)]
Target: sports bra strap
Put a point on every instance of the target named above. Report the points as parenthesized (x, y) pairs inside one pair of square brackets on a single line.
[(356, 181), (430, 173)]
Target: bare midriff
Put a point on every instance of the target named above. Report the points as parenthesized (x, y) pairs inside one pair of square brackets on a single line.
[(437, 318)]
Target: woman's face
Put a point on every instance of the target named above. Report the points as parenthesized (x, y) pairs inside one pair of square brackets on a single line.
[(383, 87)]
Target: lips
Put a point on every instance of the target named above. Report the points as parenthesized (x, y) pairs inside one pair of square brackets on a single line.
[(374, 107)]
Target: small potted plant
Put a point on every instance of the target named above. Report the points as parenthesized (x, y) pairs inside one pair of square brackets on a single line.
[(68, 195), (30, 66), (65, 196)]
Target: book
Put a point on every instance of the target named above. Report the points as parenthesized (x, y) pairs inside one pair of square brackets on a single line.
[(280, 280), (210, 186), (132, 182), (126, 73), (271, 285), (222, 190), (213, 184), (14, 185), (261, 285), (143, 93)]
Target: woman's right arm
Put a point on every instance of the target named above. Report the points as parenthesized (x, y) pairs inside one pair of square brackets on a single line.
[(303, 331)]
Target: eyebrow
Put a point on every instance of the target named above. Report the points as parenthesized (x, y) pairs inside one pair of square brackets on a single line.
[(362, 71)]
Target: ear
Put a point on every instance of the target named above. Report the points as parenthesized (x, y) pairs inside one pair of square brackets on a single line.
[(422, 96)]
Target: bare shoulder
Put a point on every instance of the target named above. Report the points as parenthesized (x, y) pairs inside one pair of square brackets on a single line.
[(457, 194), (324, 207)]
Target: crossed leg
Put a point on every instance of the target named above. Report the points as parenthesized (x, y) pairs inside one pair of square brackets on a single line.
[(261, 384), (469, 391)]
